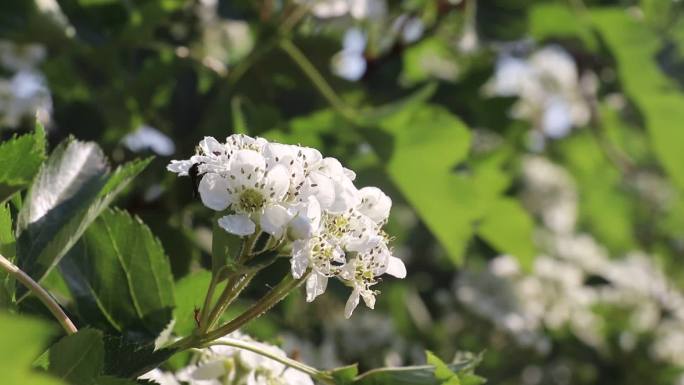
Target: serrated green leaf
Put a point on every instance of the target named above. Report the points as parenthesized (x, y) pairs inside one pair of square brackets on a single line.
[(509, 229), (78, 358), (129, 357), (428, 142), (69, 192), (659, 99), (119, 274), (23, 339), (20, 158)]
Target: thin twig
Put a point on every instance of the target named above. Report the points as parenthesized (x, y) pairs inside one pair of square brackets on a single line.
[(39, 292)]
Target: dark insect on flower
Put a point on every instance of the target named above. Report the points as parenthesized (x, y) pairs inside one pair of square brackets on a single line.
[(197, 316), (195, 177)]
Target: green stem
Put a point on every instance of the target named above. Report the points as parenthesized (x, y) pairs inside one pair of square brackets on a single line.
[(275, 295), (39, 292), (312, 73), (236, 284), (207, 302)]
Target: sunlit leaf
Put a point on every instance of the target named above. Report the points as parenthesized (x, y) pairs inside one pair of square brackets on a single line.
[(69, 192), (509, 229), (427, 144), (635, 47)]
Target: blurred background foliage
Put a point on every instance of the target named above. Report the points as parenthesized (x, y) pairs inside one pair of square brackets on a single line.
[(533, 151)]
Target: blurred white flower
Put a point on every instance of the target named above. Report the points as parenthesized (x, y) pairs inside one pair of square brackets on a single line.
[(358, 9), (550, 92), (147, 137), (350, 63), (574, 280), (25, 95)]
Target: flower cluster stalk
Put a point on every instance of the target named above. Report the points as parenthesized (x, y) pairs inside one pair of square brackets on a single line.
[(275, 295)]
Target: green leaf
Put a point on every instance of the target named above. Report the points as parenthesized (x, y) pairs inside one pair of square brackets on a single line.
[(428, 142), (190, 292), (78, 358), (551, 20), (20, 158), (509, 229), (118, 273), (604, 208), (7, 244), (658, 97), (23, 339), (345, 375), (129, 357), (408, 375), (442, 370), (110, 380), (69, 192)]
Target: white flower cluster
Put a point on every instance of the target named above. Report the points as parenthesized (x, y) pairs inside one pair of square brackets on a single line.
[(560, 291), (219, 365), (551, 93), (24, 94), (296, 195)]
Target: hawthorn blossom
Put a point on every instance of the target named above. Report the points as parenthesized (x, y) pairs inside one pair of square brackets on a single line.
[(304, 201)]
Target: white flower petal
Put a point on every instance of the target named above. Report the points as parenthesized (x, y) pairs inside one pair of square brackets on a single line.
[(346, 196), (374, 204), (274, 220), (237, 224), (300, 258), (368, 298), (160, 377), (211, 146), (180, 167), (322, 187), (213, 190), (306, 221), (277, 182), (396, 267), (209, 370), (294, 376), (352, 303), (315, 286), (278, 153), (247, 167)]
